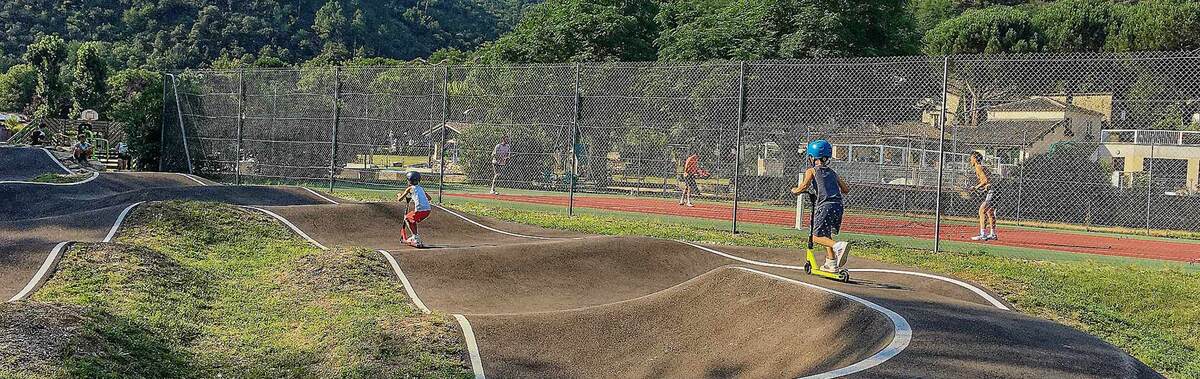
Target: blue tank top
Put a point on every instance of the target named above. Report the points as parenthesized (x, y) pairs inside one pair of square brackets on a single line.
[(825, 183), (418, 195)]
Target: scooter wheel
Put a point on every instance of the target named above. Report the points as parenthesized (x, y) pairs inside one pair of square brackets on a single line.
[(844, 276), (807, 268)]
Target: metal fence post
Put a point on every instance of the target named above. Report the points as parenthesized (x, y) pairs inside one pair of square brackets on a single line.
[(737, 147), (237, 160), (1021, 174), (337, 120), (445, 108), (162, 130), (187, 154), (574, 144), (1149, 184), (937, 221)]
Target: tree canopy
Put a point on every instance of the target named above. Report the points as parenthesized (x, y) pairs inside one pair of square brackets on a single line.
[(1068, 26), (191, 33)]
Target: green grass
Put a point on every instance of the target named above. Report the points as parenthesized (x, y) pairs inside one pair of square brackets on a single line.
[(60, 178), (194, 289), (1153, 313)]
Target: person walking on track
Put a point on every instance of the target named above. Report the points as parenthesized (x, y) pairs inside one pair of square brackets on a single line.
[(987, 208), (691, 170), (123, 157), (417, 195), (827, 204), (500, 155)]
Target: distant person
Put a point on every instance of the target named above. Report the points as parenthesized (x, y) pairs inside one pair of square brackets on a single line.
[(827, 204), (417, 194), (85, 129), (37, 136), (82, 151), (123, 157), (691, 171), (500, 155), (987, 208)]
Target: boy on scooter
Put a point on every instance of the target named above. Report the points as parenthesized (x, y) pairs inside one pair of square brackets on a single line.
[(827, 204), (417, 194)]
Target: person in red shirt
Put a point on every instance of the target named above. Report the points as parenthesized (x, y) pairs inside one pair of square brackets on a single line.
[(691, 171)]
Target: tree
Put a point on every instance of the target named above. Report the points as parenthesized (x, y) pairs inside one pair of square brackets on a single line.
[(994, 30), (17, 89), (137, 103), (728, 29), (927, 14), (577, 31), (450, 56), (1154, 25), (47, 56), (1074, 25), (90, 80), (330, 25)]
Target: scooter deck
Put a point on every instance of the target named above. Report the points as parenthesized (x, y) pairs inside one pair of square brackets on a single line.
[(812, 268)]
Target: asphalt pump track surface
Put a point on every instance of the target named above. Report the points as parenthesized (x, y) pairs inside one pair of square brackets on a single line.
[(26, 163), (533, 302)]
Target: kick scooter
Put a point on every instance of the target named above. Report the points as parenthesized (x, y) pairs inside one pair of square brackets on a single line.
[(810, 264), (407, 232)]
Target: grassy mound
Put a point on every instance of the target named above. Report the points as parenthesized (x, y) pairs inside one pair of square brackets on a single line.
[(214, 291), (1154, 314), (60, 178)]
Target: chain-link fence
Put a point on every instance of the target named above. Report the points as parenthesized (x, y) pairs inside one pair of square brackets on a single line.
[(1085, 141)]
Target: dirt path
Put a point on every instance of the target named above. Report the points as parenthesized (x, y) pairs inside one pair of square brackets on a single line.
[(25, 163), (544, 303), (551, 304), (34, 219)]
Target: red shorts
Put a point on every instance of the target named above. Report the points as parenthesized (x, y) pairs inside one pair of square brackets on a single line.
[(416, 216)]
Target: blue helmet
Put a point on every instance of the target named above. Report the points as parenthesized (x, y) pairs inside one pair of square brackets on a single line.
[(820, 149), (414, 177)]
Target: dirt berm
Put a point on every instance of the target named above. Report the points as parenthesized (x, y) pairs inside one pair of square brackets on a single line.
[(725, 323)]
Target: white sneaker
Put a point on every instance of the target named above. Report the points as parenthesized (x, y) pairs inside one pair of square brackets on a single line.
[(690, 204), (829, 265), (841, 250), (980, 237), (991, 237), (493, 192), (415, 240)]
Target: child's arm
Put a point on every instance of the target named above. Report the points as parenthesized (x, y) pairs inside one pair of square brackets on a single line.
[(428, 198), (842, 184), (804, 184), (403, 196)]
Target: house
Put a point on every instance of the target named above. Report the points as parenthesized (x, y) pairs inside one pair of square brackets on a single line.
[(1173, 157), (1021, 129), (452, 131)]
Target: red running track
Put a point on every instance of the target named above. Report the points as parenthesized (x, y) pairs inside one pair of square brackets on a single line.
[(1037, 239)]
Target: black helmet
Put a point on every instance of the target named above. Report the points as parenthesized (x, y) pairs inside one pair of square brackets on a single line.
[(414, 177)]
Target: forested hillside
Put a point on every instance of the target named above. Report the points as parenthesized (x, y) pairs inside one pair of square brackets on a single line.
[(189, 33), (688, 30)]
